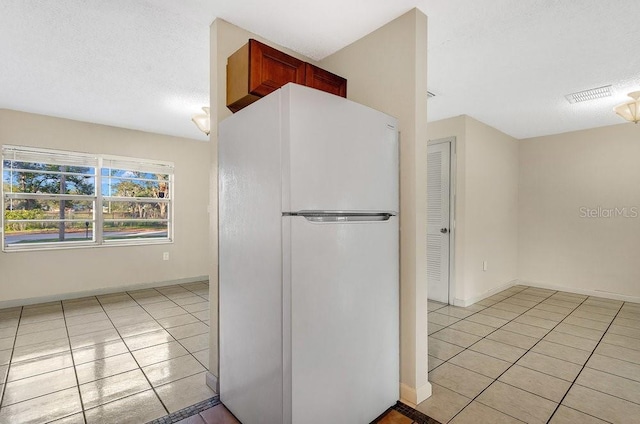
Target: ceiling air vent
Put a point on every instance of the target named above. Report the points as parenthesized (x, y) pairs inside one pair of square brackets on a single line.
[(591, 94), (430, 95)]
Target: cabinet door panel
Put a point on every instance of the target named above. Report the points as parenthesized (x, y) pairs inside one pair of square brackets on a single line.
[(324, 80), (270, 69)]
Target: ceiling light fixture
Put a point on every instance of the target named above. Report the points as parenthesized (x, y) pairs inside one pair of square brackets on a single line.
[(630, 110), (203, 121)]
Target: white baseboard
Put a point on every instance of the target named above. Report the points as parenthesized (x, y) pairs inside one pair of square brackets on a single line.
[(98, 291), (586, 292), (212, 382), (470, 301), (412, 397)]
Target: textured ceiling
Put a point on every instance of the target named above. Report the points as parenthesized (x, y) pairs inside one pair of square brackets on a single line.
[(509, 63), (144, 64)]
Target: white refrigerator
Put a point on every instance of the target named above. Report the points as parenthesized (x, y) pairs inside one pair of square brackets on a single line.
[(308, 260)]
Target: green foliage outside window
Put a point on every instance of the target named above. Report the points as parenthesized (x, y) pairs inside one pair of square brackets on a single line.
[(23, 215)]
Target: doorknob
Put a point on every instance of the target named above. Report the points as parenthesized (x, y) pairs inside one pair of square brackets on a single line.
[(444, 230)]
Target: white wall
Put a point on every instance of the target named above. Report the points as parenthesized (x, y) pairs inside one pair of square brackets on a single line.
[(559, 247), (486, 207), (28, 276), (387, 70)]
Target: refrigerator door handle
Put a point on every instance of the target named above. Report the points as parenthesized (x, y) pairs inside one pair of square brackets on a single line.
[(338, 217)]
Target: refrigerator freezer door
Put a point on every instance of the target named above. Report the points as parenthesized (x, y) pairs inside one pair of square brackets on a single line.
[(341, 342), (336, 154)]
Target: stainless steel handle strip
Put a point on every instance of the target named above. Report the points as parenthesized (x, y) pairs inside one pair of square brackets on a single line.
[(342, 216)]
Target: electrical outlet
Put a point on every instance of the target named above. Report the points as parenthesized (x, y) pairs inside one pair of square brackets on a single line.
[(484, 265), (165, 256)]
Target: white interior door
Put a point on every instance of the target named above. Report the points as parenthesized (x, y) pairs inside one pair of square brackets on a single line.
[(438, 220)]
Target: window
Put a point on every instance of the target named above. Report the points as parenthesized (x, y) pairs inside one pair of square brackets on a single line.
[(55, 199)]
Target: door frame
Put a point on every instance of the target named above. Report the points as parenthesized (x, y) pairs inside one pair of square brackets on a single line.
[(452, 210)]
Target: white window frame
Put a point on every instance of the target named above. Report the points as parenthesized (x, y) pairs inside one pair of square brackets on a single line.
[(98, 163)]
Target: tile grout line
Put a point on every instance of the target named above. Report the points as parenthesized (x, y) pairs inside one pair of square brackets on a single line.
[(46, 372), (585, 364), (13, 348), (179, 342), (204, 300), (187, 312), (513, 363), (73, 361), (513, 332), (487, 307), (626, 326), (115, 400), (577, 410), (199, 320), (189, 353), (494, 330), (540, 339), (474, 399), (483, 337), (177, 305), (121, 339), (528, 350), (131, 353)]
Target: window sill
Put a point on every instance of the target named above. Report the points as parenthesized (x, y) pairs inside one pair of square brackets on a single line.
[(87, 245)]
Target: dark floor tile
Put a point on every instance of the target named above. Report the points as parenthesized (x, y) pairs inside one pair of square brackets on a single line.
[(194, 419), (394, 417), (218, 415)]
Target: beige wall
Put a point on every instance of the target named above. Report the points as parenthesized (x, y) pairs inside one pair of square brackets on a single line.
[(522, 206), (63, 273), (486, 184), (491, 216), (559, 175), (387, 70)]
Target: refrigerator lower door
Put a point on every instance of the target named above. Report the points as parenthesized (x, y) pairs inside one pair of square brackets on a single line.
[(340, 320)]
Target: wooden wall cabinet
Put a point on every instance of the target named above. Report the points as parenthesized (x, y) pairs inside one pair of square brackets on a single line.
[(324, 80), (256, 70)]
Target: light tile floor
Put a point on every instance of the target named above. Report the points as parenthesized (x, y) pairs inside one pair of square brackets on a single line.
[(536, 356), (127, 357)]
